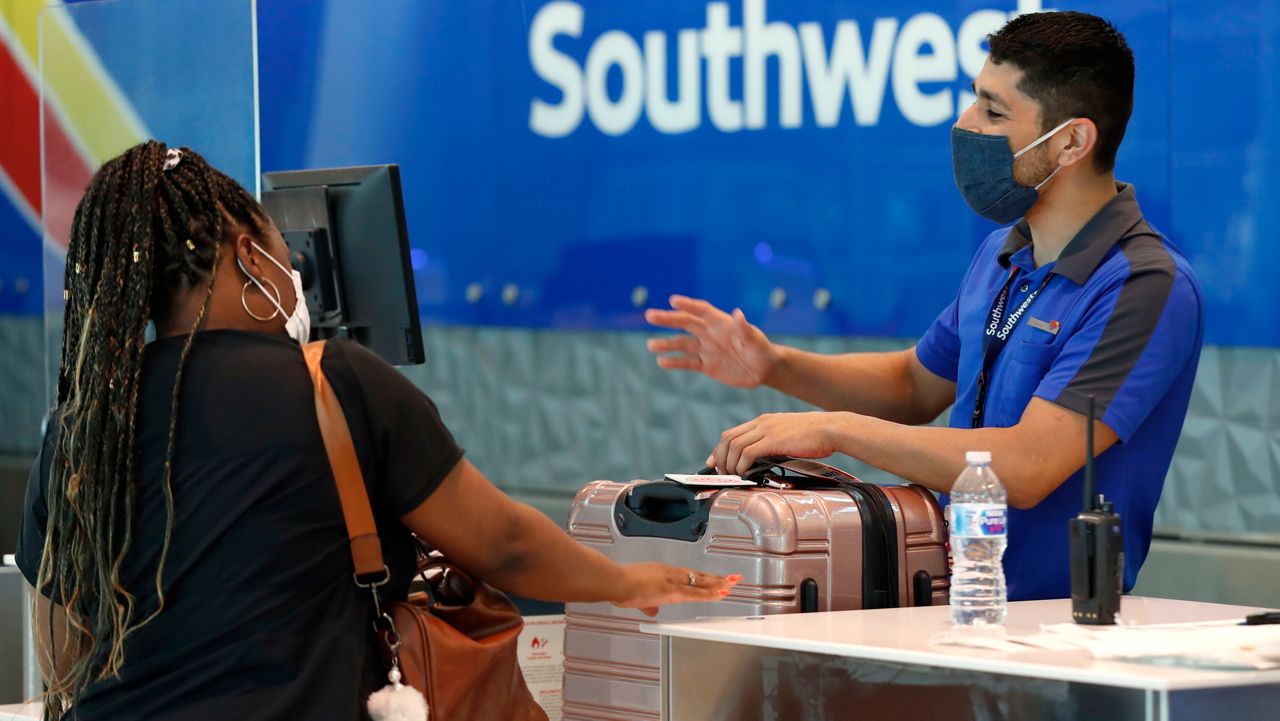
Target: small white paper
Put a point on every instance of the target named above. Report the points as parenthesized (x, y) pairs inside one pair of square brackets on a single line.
[(709, 481), (1046, 642), (992, 638), (541, 654)]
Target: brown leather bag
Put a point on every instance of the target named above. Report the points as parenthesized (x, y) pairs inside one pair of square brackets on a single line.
[(456, 643)]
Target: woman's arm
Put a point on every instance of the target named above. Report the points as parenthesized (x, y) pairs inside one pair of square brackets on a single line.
[(58, 643), (518, 549)]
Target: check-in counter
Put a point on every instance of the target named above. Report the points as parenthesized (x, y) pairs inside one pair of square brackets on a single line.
[(885, 664), (17, 655)]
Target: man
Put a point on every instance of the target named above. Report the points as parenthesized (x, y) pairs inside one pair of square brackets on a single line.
[(1080, 298)]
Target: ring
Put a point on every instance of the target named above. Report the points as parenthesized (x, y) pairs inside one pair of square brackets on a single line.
[(693, 580)]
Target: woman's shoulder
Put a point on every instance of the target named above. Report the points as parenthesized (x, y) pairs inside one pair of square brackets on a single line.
[(354, 368), (348, 355)]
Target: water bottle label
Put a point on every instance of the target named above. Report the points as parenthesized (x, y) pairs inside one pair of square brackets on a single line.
[(978, 520)]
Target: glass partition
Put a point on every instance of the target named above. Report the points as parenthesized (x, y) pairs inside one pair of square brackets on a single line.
[(116, 72)]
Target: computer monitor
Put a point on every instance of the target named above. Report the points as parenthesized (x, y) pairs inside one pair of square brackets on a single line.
[(346, 234)]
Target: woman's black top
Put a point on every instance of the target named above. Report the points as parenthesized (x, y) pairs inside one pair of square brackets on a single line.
[(261, 618)]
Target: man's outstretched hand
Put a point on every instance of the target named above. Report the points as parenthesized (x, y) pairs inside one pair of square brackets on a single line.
[(721, 345)]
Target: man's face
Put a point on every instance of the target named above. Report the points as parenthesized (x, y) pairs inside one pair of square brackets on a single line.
[(1002, 109)]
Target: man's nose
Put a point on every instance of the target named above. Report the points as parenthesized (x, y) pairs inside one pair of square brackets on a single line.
[(968, 119)]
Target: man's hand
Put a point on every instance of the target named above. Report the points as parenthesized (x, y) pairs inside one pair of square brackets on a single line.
[(721, 345), (799, 435)]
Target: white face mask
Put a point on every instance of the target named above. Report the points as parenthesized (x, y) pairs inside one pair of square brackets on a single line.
[(297, 324), (1039, 140)]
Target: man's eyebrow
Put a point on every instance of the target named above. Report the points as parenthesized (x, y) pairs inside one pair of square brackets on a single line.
[(988, 96)]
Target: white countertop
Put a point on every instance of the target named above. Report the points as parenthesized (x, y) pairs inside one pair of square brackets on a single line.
[(20, 712), (903, 635)]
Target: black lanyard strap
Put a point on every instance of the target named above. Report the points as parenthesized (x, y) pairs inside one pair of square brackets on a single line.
[(996, 336)]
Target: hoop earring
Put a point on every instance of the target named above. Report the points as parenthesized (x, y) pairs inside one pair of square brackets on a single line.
[(245, 303)]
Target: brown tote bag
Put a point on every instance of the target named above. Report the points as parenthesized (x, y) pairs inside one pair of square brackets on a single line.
[(456, 643)]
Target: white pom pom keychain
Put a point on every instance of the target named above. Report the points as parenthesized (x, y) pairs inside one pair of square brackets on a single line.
[(397, 702)]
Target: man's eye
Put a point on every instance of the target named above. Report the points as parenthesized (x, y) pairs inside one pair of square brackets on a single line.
[(993, 115)]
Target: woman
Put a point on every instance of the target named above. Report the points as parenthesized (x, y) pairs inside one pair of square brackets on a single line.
[(181, 524)]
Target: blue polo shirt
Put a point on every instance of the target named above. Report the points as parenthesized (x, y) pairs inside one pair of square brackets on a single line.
[(1119, 319)]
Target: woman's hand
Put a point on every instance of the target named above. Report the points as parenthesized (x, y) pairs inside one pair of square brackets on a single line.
[(647, 586)]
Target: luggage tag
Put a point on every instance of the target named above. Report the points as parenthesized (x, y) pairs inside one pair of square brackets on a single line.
[(708, 480)]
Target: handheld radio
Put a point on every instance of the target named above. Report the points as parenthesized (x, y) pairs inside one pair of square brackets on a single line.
[(1097, 550)]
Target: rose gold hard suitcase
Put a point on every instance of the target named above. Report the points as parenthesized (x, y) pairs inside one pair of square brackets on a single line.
[(810, 538)]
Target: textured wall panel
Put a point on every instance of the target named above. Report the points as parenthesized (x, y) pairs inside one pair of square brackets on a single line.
[(547, 411), (1226, 473), (22, 383), (554, 410)]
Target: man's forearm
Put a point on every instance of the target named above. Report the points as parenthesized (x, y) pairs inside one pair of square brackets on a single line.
[(872, 384), (934, 457)]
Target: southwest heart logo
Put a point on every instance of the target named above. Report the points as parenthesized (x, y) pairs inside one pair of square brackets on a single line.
[(1050, 326)]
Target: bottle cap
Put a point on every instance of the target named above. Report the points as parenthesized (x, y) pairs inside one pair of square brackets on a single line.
[(977, 457)]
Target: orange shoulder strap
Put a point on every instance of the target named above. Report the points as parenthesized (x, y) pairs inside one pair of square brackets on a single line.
[(366, 550)]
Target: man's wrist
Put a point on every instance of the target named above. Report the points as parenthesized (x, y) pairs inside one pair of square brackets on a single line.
[(844, 430), (776, 368)]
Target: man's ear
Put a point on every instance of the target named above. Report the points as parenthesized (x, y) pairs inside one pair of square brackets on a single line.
[(1081, 136)]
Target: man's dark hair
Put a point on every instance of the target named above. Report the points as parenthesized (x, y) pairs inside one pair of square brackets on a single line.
[(1075, 65)]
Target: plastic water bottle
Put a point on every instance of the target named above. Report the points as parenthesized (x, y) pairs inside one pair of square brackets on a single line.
[(979, 516)]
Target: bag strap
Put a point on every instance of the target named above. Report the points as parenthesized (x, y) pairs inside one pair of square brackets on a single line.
[(812, 469), (366, 549), (802, 467)]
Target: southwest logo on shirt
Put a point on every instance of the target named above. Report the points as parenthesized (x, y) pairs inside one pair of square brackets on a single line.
[(1051, 326)]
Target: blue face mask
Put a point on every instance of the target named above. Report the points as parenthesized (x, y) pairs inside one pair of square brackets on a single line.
[(983, 166)]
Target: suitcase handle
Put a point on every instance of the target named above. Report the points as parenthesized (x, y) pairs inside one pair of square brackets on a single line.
[(663, 501), (662, 509)]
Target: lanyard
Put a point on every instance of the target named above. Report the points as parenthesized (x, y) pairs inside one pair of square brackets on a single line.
[(996, 336)]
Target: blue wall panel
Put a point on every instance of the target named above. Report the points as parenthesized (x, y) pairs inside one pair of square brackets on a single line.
[(20, 271), (1225, 141), (863, 207)]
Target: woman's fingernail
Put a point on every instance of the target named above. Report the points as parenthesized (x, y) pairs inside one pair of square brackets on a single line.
[(724, 592), (735, 577)]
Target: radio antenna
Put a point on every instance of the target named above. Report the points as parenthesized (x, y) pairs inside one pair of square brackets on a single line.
[(1089, 482)]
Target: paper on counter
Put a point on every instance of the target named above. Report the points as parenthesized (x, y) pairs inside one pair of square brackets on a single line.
[(990, 638), (1230, 647), (1195, 645)]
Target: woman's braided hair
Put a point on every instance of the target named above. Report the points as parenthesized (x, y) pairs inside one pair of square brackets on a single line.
[(142, 234)]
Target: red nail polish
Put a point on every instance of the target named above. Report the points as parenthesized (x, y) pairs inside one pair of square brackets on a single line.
[(724, 593)]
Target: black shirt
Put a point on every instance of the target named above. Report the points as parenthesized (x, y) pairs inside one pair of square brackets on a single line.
[(261, 617)]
